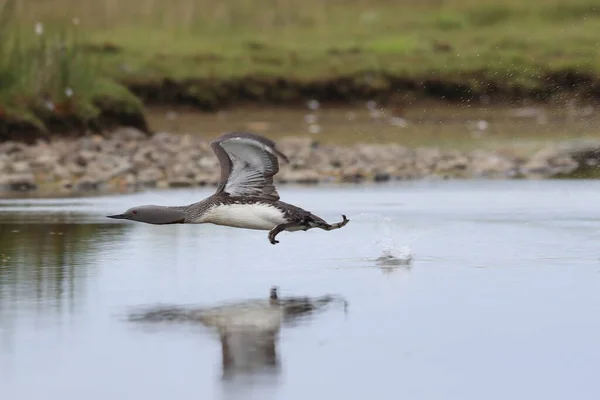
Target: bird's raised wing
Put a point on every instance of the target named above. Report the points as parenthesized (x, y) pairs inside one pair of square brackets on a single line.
[(248, 164)]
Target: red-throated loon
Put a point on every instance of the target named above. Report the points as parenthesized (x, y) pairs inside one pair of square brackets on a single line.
[(246, 196)]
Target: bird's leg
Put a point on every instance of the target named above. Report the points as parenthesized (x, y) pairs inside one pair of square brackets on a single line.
[(305, 225), (281, 227), (337, 225)]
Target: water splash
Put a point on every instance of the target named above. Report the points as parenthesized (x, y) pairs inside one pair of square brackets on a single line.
[(393, 251), (393, 254), (392, 242)]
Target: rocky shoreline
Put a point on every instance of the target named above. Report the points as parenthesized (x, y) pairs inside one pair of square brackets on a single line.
[(131, 159)]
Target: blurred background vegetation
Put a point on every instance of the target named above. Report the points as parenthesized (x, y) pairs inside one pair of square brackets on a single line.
[(69, 63)]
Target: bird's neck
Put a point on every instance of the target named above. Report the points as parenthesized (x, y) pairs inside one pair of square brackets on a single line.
[(182, 210), (177, 208), (194, 212)]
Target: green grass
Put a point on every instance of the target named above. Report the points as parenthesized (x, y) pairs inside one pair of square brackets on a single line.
[(46, 76), (475, 43), (312, 39)]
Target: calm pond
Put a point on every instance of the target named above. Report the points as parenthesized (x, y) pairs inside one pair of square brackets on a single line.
[(454, 290)]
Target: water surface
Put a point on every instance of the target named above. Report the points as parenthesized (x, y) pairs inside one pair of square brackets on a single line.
[(434, 124), (495, 294)]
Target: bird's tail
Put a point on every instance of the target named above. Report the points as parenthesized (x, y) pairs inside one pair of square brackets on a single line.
[(316, 219), (321, 223)]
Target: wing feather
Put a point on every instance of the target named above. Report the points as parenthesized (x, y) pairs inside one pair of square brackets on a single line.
[(248, 164)]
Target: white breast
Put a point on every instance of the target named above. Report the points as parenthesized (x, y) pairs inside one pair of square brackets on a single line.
[(249, 216)]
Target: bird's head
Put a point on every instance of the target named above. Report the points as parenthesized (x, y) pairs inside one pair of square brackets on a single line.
[(157, 215)]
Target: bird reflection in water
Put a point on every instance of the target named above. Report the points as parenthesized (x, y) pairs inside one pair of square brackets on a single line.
[(248, 330)]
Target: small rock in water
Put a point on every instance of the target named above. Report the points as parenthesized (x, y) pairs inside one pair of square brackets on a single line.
[(381, 177), (87, 183), (18, 182)]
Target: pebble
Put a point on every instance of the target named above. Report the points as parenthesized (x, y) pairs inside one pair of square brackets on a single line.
[(132, 158)]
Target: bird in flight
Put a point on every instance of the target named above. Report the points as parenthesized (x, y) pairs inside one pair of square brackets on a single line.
[(246, 196)]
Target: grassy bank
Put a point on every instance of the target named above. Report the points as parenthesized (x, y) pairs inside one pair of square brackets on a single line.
[(50, 83), (211, 53)]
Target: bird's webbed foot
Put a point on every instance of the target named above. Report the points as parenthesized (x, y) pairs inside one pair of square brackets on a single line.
[(272, 235)]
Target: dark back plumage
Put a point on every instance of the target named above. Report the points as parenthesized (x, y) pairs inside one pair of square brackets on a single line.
[(248, 164)]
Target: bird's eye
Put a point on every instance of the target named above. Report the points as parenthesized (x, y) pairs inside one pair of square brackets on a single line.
[(134, 212)]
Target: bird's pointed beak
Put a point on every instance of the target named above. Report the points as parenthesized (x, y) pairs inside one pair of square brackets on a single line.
[(117, 216)]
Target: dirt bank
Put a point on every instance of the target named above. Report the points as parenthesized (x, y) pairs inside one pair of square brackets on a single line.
[(212, 94)]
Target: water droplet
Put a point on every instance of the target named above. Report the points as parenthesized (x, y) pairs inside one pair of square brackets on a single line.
[(39, 28), (314, 129), (310, 118), (375, 114), (313, 104), (399, 122)]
